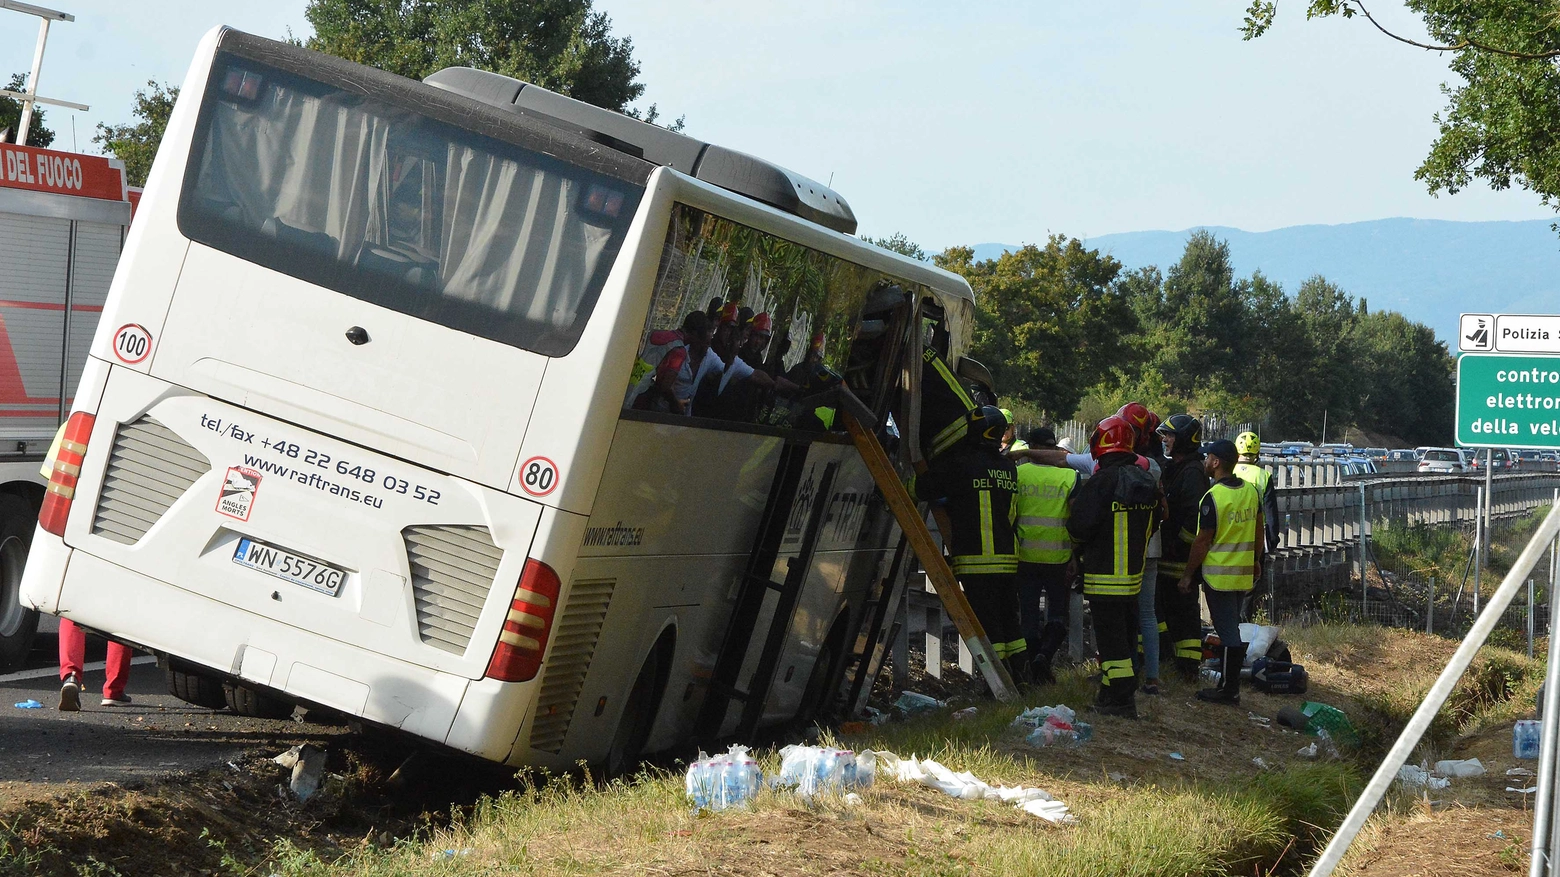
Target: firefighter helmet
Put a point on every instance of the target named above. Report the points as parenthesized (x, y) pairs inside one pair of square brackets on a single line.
[(1185, 429), (986, 425), (1143, 422), (1247, 444), (1113, 435)]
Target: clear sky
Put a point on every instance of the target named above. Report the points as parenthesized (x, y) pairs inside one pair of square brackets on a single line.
[(955, 123)]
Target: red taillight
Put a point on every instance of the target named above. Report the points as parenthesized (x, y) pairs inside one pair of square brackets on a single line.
[(65, 468), (518, 655)]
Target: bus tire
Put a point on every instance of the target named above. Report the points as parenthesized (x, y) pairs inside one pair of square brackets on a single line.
[(18, 624), (252, 703), (638, 718), (191, 685)]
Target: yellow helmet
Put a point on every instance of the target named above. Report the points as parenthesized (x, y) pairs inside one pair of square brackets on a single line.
[(1247, 444)]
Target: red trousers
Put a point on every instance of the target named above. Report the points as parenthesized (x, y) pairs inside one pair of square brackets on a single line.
[(73, 652)]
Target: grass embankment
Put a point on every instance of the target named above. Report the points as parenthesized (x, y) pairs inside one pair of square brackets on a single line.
[(1139, 811), (1443, 551)]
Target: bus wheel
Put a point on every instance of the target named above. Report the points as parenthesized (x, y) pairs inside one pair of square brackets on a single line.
[(633, 730), (255, 704), (191, 685), (17, 623)]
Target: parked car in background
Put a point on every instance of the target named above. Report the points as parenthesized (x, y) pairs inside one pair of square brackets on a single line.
[(1404, 455), (1374, 453), (1443, 461), (1334, 449), (1296, 449), (1356, 465), (1499, 459)]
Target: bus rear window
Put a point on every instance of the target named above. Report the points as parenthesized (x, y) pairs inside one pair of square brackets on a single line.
[(371, 199)]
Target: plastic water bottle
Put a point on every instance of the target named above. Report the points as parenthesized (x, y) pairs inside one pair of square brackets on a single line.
[(752, 778), (733, 785), (1524, 738), (697, 784)]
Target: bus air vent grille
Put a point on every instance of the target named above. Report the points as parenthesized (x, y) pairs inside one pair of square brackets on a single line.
[(452, 572), (573, 644), (149, 468)]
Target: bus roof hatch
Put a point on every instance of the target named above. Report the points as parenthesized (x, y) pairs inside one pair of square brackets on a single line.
[(731, 170)]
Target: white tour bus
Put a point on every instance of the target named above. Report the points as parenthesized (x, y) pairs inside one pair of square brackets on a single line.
[(360, 426)]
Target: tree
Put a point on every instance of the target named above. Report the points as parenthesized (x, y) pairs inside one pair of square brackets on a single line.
[(136, 144), (1050, 321), (1502, 124), (11, 116), (1195, 319), (562, 45), (900, 244)]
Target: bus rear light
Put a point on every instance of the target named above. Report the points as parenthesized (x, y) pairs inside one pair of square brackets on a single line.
[(518, 655), (64, 470)]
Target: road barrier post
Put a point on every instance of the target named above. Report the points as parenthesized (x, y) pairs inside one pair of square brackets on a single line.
[(1364, 562), (1478, 543), (1530, 617), (1430, 608)]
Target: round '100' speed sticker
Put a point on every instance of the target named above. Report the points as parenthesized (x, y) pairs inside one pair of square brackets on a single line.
[(132, 343), (538, 476)]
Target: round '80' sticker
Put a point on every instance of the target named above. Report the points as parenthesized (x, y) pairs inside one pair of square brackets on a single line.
[(538, 476), (132, 343)]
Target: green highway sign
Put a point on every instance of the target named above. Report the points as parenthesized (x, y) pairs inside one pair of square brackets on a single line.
[(1508, 401)]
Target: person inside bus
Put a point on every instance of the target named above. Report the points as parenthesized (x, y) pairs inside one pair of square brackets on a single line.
[(683, 360), (740, 388), (759, 332)]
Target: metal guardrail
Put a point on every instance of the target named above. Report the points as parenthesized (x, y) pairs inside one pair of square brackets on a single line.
[(1437, 697)]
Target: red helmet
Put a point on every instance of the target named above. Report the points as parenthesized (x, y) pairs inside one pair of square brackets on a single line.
[(1113, 435), (1142, 421)]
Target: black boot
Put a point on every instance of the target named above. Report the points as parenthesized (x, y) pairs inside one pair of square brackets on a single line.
[(1018, 668), (1115, 703), (1186, 669), (1051, 638), (1228, 691)]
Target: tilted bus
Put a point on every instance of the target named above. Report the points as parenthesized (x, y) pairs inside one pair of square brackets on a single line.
[(353, 430)]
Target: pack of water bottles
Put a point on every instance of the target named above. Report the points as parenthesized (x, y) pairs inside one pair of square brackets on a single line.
[(822, 770), (726, 780)]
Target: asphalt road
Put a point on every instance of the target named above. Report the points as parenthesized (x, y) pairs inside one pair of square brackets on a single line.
[(156, 735)]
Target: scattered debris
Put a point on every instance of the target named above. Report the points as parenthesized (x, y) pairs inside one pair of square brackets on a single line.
[(1176, 756), (1056, 730), (1520, 772), (450, 854), (1471, 767), (1414, 775), (1307, 751), (1264, 721), (1313, 718), (307, 762), (1261, 763), (913, 702), (29, 704), (1527, 791), (1499, 834), (1036, 716), (965, 786), (963, 714), (852, 800), (876, 716)]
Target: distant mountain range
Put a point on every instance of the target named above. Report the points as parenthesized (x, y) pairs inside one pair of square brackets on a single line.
[(1428, 270)]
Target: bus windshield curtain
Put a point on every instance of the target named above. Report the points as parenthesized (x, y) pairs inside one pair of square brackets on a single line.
[(399, 195)]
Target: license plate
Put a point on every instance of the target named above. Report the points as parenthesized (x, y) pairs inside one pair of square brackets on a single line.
[(284, 564)]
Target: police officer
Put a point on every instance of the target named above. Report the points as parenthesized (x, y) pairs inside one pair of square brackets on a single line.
[(1249, 447), (1045, 557), (981, 489), (1114, 514), (1184, 483), (1227, 558)]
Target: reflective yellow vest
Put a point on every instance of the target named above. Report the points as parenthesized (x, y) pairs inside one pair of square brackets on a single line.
[(1042, 513), (1255, 474), (1232, 559)]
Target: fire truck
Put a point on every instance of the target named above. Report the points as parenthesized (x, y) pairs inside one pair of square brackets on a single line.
[(63, 219)]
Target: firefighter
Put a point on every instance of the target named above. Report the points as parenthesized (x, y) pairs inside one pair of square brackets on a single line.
[(1045, 557), (1184, 486), (980, 487), (945, 406), (1227, 558), (1249, 447), (1113, 516), (1146, 445)]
